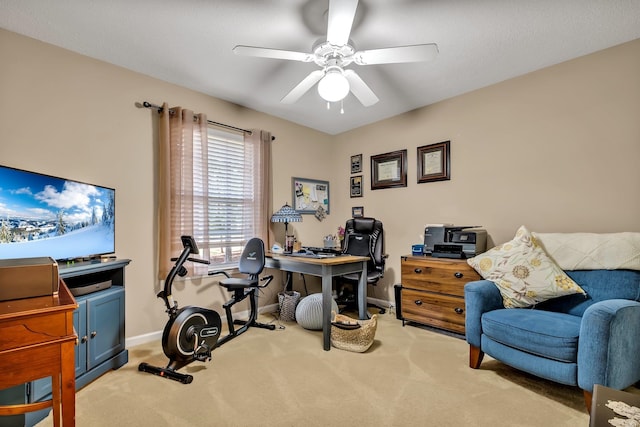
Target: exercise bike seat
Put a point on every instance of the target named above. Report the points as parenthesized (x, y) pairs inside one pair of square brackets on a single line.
[(233, 283), (251, 264)]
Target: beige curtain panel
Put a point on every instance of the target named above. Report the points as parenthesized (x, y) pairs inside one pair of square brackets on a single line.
[(183, 184)]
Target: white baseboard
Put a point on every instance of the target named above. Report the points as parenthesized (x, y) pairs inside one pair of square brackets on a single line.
[(157, 335)]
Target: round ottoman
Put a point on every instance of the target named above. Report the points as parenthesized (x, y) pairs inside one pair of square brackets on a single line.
[(309, 311)]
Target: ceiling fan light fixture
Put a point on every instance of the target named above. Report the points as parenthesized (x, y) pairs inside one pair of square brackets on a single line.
[(334, 86)]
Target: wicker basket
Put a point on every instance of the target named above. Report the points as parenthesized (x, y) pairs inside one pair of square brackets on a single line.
[(288, 301), (357, 340)]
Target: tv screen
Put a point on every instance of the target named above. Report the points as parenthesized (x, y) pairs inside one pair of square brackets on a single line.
[(47, 216)]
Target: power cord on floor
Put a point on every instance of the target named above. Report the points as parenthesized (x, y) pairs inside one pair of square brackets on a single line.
[(276, 320)]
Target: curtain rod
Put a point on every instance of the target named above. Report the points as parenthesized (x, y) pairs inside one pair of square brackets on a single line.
[(159, 108)]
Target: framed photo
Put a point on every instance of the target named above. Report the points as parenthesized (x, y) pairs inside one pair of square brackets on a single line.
[(389, 170), (310, 194), (356, 186), (434, 162), (356, 163), (357, 211)]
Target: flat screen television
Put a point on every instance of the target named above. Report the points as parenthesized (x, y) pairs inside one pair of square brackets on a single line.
[(48, 216)]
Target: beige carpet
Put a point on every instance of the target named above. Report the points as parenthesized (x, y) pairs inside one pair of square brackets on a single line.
[(409, 377)]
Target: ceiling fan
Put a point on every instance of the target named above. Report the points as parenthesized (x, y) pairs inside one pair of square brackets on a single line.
[(335, 54)]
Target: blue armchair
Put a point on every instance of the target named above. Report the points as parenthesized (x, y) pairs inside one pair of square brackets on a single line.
[(572, 340)]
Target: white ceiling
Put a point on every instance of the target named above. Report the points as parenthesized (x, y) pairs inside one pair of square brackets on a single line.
[(190, 42)]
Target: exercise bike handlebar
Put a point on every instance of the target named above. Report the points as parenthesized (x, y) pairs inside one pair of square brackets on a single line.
[(201, 261), (178, 269)]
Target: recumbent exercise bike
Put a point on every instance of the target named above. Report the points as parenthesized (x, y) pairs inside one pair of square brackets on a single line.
[(192, 333)]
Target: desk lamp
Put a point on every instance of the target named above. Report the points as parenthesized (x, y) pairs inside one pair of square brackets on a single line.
[(287, 214)]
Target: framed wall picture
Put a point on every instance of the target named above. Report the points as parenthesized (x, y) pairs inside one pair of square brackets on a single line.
[(389, 170), (356, 163), (434, 162), (310, 194), (357, 211), (356, 186)]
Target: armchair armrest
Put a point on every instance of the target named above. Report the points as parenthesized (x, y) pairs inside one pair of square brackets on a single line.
[(609, 345), (479, 297)]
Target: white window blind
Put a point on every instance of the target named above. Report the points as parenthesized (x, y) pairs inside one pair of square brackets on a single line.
[(227, 188)]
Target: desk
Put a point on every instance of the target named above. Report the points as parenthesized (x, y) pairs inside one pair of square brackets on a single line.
[(327, 269), (37, 340)]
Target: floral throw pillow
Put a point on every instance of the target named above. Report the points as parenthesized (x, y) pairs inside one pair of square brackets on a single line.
[(523, 272)]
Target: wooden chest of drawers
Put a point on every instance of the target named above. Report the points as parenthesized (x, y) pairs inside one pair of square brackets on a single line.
[(432, 291)]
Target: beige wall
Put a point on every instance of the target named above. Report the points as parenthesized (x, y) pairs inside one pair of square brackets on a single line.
[(556, 150), (68, 115)]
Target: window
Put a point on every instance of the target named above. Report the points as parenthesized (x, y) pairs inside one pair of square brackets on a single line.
[(224, 196)]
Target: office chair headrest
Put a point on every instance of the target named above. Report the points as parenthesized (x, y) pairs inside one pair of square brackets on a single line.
[(363, 225)]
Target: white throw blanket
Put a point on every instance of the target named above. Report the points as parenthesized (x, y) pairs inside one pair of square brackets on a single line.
[(593, 251)]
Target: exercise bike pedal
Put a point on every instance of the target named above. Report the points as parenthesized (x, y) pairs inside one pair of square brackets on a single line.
[(202, 357)]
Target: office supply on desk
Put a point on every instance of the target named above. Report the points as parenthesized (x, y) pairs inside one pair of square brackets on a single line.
[(330, 241), (309, 254), (318, 250)]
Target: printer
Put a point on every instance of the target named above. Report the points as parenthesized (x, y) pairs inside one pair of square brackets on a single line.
[(449, 241)]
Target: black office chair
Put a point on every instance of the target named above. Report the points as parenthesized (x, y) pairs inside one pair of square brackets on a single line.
[(362, 237), (251, 263)]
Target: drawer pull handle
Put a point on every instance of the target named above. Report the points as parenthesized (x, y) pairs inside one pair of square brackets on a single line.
[(418, 270), (418, 302), (458, 310), (458, 275), (93, 334), (83, 339)]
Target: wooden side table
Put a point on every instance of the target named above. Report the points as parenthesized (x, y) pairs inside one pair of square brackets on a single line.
[(37, 340), (601, 411)]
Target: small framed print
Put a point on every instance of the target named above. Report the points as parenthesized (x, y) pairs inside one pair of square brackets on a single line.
[(357, 211), (389, 170), (356, 186), (434, 162), (356, 163)]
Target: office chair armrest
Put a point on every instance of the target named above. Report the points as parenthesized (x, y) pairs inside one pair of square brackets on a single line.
[(382, 265), (213, 273), (268, 279)]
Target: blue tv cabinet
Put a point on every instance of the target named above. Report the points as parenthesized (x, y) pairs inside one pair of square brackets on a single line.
[(99, 322)]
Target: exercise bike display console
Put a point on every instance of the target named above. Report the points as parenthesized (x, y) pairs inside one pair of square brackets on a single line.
[(192, 332)]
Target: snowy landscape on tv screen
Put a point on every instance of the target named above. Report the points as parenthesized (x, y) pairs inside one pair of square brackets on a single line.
[(45, 216)]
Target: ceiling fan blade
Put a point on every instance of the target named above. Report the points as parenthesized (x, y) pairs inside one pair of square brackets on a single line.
[(264, 52), (394, 55), (302, 87), (341, 14), (360, 89)]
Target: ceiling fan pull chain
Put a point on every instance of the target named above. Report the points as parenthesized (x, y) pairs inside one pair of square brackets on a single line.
[(328, 105), (342, 107)]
